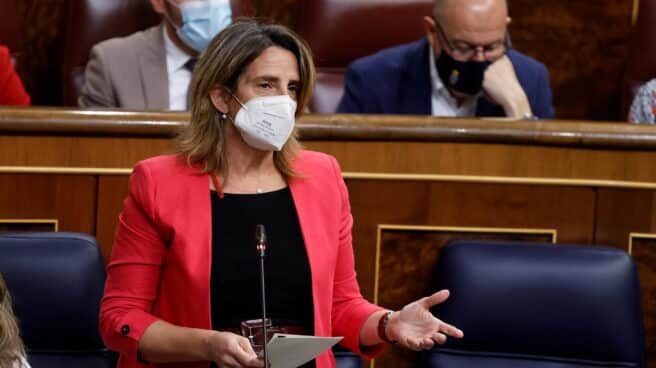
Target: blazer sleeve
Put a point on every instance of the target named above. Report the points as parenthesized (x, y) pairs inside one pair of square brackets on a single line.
[(133, 273), (12, 92), (544, 103), (98, 90), (354, 99), (349, 309)]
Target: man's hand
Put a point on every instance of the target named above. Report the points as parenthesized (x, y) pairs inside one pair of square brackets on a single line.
[(500, 85)]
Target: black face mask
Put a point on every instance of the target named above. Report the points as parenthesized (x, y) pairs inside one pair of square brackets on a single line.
[(461, 76)]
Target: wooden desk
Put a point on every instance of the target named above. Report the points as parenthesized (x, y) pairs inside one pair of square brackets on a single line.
[(415, 183)]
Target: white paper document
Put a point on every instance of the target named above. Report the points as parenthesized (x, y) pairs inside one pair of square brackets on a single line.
[(291, 351)]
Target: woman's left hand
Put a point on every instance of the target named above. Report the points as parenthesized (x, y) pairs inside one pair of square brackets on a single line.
[(416, 328)]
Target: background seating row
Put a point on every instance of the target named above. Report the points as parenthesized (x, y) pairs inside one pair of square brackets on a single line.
[(594, 68)]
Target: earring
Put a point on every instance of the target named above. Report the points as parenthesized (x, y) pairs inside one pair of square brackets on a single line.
[(224, 116)]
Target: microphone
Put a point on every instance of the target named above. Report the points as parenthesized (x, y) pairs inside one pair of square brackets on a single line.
[(261, 239), (261, 244)]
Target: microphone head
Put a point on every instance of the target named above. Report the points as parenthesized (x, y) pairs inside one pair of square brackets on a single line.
[(260, 234)]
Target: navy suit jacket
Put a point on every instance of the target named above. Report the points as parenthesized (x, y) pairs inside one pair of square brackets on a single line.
[(397, 81)]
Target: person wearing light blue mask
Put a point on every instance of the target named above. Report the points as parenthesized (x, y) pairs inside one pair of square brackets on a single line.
[(201, 21), (152, 69)]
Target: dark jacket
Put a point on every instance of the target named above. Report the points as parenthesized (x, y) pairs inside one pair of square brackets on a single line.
[(397, 81)]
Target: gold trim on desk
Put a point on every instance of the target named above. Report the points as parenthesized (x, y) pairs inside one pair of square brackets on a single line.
[(54, 222), (641, 236), (370, 176), (63, 170), (504, 180), (462, 229)]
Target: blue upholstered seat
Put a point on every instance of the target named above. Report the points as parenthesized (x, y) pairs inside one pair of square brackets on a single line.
[(539, 306), (56, 281), (345, 358)]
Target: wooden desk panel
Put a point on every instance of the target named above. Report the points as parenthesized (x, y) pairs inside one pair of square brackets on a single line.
[(76, 152), (452, 204), (483, 159), (112, 191), (590, 183), (621, 212), (69, 199)]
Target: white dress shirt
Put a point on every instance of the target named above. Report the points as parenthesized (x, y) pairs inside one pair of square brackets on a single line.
[(179, 76), (443, 104)]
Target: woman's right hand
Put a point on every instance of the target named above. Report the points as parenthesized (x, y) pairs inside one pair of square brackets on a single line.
[(231, 350)]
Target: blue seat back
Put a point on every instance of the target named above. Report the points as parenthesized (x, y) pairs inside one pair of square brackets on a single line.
[(56, 281), (539, 306), (345, 358)]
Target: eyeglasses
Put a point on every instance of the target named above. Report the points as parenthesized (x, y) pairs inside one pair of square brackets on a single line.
[(466, 51)]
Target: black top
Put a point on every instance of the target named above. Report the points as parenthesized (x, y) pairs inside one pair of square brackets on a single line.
[(235, 279)]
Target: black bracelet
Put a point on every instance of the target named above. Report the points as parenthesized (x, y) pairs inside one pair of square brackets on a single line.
[(382, 327)]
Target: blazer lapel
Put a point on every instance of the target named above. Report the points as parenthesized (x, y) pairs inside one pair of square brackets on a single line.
[(415, 85), (302, 193), (152, 64)]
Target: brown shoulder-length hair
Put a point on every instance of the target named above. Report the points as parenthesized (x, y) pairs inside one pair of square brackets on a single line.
[(11, 345), (203, 140)]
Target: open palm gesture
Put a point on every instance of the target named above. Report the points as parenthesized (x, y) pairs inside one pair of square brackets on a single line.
[(416, 328)]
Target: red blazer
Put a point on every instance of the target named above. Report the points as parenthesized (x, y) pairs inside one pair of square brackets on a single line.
[(161, 259), (11, 87)]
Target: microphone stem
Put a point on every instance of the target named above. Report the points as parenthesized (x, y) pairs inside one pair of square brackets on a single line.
[(264, 325)]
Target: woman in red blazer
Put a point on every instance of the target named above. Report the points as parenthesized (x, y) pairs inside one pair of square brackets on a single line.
[(166, 299), (11, 88)]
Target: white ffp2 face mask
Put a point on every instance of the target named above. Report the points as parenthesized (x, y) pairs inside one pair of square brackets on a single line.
[(265, 123)]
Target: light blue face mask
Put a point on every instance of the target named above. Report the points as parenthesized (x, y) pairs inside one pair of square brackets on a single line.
[(202, 20)]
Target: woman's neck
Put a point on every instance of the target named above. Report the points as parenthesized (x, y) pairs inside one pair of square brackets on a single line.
[(248, 170), (244, 160)]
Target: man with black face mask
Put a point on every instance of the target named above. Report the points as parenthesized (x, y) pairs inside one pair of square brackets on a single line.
[(464, 67)]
